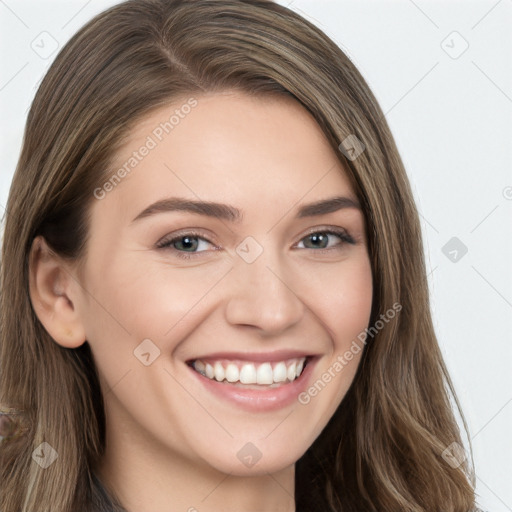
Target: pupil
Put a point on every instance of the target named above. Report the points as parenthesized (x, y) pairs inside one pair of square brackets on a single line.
[(188, 242), (318, 240)]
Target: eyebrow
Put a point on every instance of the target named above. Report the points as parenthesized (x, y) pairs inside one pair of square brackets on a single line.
[(232, 214)]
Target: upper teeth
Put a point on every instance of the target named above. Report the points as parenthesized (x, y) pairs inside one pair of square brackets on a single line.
[(248, 373)]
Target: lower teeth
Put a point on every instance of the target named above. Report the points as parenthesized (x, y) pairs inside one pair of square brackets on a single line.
[(240, 384), (254, 386)]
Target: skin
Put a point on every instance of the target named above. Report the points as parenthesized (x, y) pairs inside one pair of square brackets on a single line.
[(169, 440)]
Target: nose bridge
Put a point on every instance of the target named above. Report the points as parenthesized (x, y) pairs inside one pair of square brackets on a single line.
[(259, 293)]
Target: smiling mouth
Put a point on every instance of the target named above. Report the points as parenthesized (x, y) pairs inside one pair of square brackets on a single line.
[(251, 374)]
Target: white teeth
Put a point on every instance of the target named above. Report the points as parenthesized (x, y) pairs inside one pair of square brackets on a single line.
[(264, 374), (208, 371), (232, 373), (251, 373), (199, 366), (248, 374), (280, 372), (219, 372), (300, 366), (292, 371)]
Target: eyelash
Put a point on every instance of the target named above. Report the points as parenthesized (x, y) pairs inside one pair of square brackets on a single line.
[(166, 244)]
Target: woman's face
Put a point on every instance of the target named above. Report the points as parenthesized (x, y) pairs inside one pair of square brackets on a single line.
[(234, 242)]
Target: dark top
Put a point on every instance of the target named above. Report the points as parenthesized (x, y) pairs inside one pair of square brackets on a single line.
[(103, 501)]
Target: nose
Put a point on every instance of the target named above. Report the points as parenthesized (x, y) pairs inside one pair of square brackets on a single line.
[(261, 296)]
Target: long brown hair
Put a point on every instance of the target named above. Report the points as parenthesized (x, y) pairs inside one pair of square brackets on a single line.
[(383, 449)]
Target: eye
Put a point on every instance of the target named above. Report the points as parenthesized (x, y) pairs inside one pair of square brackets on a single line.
[(185, 245), (326, 239)]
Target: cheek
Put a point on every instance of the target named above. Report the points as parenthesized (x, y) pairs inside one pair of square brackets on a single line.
[(159, 302), (343, 306), (355, 304), (341, 297)]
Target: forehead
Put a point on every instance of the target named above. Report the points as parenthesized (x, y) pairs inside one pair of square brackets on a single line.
[(225, 146)]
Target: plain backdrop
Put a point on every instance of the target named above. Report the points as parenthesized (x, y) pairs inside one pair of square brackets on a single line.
[(442, 73)]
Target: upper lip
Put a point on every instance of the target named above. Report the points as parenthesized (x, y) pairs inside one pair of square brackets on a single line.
[(276, 355)]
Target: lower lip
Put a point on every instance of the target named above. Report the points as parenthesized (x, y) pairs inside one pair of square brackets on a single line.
[(265, 399)]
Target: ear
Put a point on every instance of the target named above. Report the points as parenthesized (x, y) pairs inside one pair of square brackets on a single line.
[(54, 291)]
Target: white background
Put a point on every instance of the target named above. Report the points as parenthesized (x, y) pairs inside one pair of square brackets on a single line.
[(452, 120)]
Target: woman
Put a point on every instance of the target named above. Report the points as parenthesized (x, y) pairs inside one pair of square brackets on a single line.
[(213, 280)]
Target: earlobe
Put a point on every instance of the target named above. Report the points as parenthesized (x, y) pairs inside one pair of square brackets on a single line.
[(54, 294)]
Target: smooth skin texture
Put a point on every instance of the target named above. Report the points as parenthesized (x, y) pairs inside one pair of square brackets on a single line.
[(171, 444)]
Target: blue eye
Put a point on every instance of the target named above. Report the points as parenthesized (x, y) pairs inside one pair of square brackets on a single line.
[(186, 244), (322, 239)]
